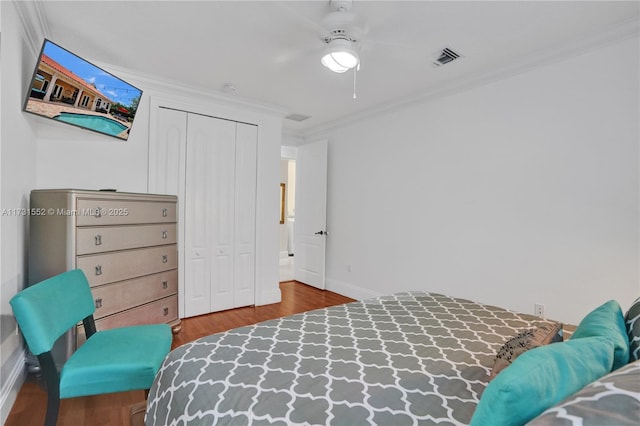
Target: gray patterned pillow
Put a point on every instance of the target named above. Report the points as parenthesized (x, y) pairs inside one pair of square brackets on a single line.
[(543, 334), (632, 321), (611, 400)]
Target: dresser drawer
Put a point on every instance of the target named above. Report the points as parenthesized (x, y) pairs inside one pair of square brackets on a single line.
[(91, 212), (102, 239), (112, 298), (123, 265), (158, 312)]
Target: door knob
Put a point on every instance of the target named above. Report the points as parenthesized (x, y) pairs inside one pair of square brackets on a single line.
[(321, 233)]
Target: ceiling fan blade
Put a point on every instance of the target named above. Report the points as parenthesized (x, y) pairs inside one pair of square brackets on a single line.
[(390, 51), (301, 19), (390, 44), (295, 55)]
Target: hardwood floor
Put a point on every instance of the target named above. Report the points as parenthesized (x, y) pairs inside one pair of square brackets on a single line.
[(114, 409)]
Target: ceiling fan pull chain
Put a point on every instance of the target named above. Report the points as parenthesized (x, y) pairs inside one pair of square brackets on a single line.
[(355, 71)]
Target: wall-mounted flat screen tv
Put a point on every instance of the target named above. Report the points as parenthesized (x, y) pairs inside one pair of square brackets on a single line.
[(71, 90)]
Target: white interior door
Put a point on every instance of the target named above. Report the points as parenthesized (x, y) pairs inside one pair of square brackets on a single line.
[(209, 215), (311, 214), (167, 162), (245, 214)]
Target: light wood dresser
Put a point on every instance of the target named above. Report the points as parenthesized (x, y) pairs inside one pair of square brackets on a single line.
[(125, 243)]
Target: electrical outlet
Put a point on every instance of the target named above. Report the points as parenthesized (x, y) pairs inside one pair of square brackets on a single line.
[(538, 309)]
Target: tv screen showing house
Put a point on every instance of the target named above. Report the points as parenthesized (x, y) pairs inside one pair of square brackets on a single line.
[(71, 90)]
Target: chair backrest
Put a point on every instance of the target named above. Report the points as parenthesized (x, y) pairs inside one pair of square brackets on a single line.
[(45, 311)]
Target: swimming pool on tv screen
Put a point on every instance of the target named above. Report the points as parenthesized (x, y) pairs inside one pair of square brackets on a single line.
[(93, 122)]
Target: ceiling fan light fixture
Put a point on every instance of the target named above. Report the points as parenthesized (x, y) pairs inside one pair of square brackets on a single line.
[(340, 56)]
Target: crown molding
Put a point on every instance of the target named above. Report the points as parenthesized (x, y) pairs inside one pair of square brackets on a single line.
[(157, 83), (34, 22), (294, 133), (615, 33)]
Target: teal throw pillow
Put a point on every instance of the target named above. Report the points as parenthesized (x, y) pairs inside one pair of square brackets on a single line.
[(607, 321), (540, 378)]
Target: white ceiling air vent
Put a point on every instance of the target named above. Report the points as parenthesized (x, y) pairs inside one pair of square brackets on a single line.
[(297, 117), (447, 55)]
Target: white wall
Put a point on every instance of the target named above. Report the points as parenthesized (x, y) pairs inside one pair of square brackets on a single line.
[(17, 177), (69, 157), (522, 191)]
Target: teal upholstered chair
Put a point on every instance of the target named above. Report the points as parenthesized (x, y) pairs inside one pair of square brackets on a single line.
[(115, 360)]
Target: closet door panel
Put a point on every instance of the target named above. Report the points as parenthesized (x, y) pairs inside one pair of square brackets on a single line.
[(245, 213), (221, 162), (166, 173), (198, 189), (244, 280), (167, 152), (209, 214), (197, 288)]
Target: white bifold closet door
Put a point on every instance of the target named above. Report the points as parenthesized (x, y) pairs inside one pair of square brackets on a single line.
[(219, 214)]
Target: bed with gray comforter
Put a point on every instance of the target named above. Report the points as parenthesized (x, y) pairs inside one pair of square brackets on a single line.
[(410, 358)]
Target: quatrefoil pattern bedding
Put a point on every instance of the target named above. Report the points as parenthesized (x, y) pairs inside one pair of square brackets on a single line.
[(612, 400), (409, 358)]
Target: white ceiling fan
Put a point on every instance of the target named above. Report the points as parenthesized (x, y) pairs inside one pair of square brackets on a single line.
[(341, 38), (338, 32)]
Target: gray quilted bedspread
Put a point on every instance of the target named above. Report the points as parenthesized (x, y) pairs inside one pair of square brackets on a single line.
[(406, 359)]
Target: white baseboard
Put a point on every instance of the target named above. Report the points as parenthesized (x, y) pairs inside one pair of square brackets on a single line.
[(11, 387), (350, 290)]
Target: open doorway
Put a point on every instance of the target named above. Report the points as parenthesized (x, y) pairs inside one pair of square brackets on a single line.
[(304, 231), (287, 215)]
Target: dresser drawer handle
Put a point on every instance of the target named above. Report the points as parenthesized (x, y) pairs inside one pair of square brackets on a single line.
[(165, 258), (165, 235), (98, 269), (166, 311), (98, 212), (98, 238), (165, 212), (165, 284), (98, 303)]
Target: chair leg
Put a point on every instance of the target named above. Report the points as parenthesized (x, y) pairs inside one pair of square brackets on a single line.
[(138, 410), (136, 413), (52, 381), (53, 406)]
